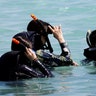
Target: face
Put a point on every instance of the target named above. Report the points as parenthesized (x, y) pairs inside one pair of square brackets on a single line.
[(43, 39)]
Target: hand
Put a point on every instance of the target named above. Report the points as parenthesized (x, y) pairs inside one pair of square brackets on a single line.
[(30, 54), (74, 63), (57, 32)]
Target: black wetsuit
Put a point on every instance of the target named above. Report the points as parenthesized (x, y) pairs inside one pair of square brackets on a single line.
[(14, 65), (90, 53), (50, 59)]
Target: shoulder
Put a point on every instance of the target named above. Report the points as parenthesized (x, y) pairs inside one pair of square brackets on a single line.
[(20, 34), (10, 54)]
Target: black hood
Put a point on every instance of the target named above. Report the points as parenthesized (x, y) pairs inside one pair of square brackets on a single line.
[(33, 26), (41, 28), (32, 37), (91, 38)]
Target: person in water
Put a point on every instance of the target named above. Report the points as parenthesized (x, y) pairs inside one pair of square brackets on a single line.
[(21, 64), (37, 33), (90, 52)]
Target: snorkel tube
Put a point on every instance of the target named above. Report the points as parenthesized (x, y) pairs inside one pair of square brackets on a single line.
[(17, 42), (44, 33)]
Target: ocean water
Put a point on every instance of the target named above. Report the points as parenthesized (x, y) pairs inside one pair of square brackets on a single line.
[(75, 17)]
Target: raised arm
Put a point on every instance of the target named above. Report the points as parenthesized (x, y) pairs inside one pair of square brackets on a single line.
[(58, 34), (32, 57)]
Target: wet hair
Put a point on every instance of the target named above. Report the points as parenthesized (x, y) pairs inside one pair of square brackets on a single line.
[(33, 26)]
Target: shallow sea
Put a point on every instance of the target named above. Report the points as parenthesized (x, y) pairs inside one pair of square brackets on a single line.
[(75, 17)]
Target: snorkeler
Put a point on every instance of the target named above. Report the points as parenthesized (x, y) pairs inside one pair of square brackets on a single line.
[(21, 64), (90, 52), (37, 33)]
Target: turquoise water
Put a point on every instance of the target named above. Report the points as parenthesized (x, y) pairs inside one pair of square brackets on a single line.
[(75, 17)]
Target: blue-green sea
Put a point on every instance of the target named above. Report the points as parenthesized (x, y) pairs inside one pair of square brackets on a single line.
[(75, 17)]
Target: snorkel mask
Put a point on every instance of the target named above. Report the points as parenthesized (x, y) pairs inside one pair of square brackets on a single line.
[(41, 28)]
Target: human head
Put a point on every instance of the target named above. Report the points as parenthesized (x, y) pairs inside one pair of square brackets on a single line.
[(91, 38), (24, 41), (43, 30), (34, 26)]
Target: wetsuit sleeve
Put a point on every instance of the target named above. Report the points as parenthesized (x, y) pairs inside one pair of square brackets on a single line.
[(65, 49), (65, 58), (53, 60), (26, 72), (42, 68)]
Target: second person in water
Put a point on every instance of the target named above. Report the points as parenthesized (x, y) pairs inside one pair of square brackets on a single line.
[(37, 33)]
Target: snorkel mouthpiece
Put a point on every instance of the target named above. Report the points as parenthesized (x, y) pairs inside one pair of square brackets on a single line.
[(44, 33)]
